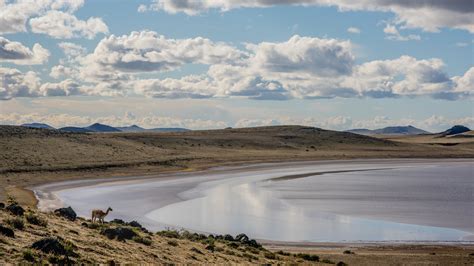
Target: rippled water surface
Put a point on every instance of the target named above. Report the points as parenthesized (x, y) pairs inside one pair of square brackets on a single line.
[(396, 200)]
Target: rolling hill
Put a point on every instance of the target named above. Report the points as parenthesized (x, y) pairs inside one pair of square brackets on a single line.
[(395, 130), (37, 125)]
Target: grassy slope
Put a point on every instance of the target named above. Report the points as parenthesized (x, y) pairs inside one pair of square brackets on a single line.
[(92, 247)]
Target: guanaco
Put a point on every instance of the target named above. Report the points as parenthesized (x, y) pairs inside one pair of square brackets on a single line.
[(100, 215)]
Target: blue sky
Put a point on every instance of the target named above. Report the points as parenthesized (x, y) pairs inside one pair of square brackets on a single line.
[(259, 63)]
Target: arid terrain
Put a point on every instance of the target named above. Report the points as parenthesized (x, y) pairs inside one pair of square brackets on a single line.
[(36, 156)]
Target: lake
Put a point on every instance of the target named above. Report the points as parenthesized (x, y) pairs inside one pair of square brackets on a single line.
[(325, 201)]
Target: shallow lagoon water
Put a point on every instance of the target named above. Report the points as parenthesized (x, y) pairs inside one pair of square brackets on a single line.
[(384, 200)]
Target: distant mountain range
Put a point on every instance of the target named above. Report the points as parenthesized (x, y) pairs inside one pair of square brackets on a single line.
[(398, 130), (97, 127)]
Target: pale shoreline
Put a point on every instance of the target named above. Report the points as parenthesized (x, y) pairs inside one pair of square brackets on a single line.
[(58, 186)]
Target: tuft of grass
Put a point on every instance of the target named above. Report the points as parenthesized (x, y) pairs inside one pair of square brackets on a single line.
[(16, 223), (142, 240), (211, 247), (36, 220), (29, 255), (193, 249), (270, 255), (173, 243), (249, 256), (169, 233)]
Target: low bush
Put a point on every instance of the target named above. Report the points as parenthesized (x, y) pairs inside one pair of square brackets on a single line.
[(193, 249), (348, 252), (270, 255), (16, 223), (36, 220), (169, 233), (173, 243), (142, 240), (29, 255)]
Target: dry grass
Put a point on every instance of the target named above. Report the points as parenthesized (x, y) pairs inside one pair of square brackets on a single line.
[(171, 247), (93, 247)]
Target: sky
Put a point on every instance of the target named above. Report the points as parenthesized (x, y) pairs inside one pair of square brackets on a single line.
[(335, 64)]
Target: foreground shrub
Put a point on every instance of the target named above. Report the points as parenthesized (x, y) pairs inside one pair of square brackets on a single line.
[(120, 233), (28, 255), (6, 231), (15, 209), (67, 213), (36, 220), (142, 240), (270, 255), (16, 223), (169, 233), (54, 245), (173, 243)]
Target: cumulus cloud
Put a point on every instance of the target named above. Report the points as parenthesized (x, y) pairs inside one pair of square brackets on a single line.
[(301, 67), (72, 50), (314, 56), (427, 15), (393, 34), (403, 76), (14, 83), (51, 17), (146, 51), (17, 53), (353, 30), (14, 14), (63, 25)]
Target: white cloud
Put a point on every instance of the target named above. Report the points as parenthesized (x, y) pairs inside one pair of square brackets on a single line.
[(313, 56), (61, 71), (17, 53), (72, 50), (146, 51), (393, 34), (462, 44), (301, 67), (52, 17), (63, 25), (14, 14), (465, 83), (353, 30), (427, 15), (14, 83)]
